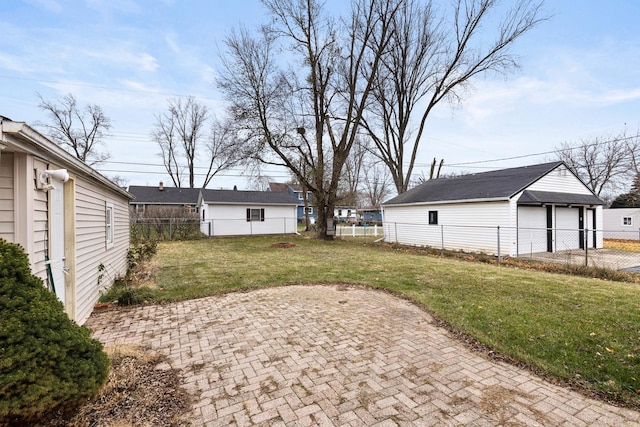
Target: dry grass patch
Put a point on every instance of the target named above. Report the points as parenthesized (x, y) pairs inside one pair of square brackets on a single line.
[(142, 391), (622, 245)]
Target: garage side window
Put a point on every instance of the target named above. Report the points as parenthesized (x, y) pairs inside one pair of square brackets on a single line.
[(255, 215), (109, 224), (433, 217), (627, 220)]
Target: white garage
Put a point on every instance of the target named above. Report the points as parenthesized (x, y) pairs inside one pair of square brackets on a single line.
[(242, 213), (530, 209)]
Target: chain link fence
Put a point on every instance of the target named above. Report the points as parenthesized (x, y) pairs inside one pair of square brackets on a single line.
[(610, 249), (145, 229)]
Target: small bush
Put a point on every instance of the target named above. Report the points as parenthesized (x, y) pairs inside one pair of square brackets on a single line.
[(141, 252), (47, 361)]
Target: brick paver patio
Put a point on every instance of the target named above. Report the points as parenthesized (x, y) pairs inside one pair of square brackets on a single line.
[(339, 356)]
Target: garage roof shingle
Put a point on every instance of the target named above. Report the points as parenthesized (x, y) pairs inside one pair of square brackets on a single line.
[(498, 184)]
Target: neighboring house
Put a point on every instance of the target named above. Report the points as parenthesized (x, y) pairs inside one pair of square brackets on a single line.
[(622, 223), (343, 213), (72, 222), (371, 215), (296, 192), (150, 200), (235, 213), (539, 208)]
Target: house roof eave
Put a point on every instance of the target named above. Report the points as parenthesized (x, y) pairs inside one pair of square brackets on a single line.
[(28, 140), (449, 202)]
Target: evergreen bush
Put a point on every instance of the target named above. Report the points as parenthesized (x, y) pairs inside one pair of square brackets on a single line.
[(47, 361)]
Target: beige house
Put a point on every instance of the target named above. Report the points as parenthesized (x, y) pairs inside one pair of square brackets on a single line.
[(72, 222)]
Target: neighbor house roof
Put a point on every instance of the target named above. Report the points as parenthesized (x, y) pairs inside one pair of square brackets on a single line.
[(244, 197), (278, 187), (498, 184), (166, 196), (281, 187)]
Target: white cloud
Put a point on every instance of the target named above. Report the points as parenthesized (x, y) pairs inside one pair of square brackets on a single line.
[(124, 55)]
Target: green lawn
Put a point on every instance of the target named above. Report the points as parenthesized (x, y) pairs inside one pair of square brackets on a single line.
[(583, 331)]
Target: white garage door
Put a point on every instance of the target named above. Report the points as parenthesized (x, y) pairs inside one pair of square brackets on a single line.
[(532, 230), (567, 229)]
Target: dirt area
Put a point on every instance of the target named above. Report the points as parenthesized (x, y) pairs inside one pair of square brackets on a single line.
[(142, 391)]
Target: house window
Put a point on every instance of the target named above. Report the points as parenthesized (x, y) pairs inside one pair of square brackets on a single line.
[(433, 217), (299, 195), (109, 224), (310, 210), (139, 208), (255, 215), (627, 220)]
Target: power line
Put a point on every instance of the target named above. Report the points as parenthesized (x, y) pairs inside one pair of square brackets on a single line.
[(219, 175), (626, 138)]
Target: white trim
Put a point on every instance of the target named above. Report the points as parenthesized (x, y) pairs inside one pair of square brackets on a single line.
[(441, 202), (109, 224)]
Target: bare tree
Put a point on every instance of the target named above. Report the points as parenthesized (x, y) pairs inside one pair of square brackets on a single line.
[(353, 173), (183, 136), (602, 163), (224, 150), (119, 180), (433, 58), (178, 132), (377, 184), (338, 61), (80, 131)]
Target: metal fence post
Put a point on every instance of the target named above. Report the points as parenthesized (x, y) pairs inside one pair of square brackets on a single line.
[(395, 224), (586, 247), (442, 240), (499, 256)]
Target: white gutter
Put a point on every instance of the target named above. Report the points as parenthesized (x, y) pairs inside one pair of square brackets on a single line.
[(446, 202)]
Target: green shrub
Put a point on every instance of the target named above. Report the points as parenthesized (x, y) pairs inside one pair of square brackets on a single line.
[(47, 361), (141, 252)]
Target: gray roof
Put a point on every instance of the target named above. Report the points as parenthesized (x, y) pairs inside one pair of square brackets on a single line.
[(167, 196), (539, 197), (253, 197), (498, 184)]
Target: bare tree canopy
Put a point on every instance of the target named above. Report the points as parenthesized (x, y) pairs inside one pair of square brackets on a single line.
[(183, 137), (604, 164), (434, 56), (306, 117), (80, 131), (377, 184)]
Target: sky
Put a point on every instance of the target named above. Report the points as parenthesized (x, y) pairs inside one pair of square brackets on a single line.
[(579, 78)]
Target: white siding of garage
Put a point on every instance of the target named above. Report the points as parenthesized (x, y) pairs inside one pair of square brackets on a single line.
[(461, 226), (560, 180), (91, 245), (532, 230), (6, 197), (567, 235), (231, 220)]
